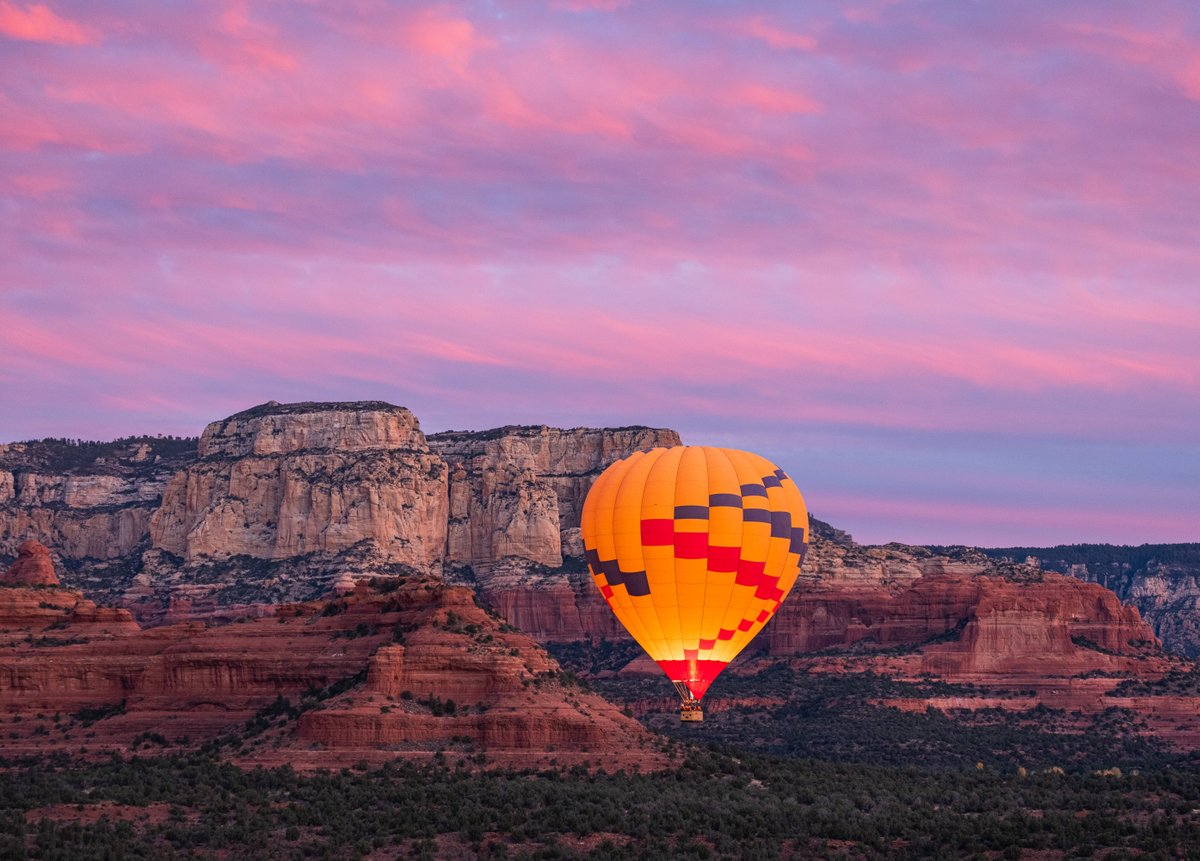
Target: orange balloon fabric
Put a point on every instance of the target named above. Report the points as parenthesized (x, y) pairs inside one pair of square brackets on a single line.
[(694, 548)]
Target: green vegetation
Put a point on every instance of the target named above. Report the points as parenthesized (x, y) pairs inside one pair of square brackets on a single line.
[(274, 408), (713, 803), (1062, 556), (62, 455), (842, 719), (1177, 682), (89, 716), (581, 656)]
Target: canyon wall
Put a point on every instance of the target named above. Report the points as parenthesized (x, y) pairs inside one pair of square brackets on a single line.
[(517, 492), (275, 483), (285, 503), (1161, 580), (90, 502), (282, 502)]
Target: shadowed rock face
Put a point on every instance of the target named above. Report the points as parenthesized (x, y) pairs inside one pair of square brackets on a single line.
[(88, 501), (517, 492), (1162, 581)]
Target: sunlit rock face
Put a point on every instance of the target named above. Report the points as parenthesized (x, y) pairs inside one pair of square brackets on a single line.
[(282, 502), (516, 495), (283, 481)]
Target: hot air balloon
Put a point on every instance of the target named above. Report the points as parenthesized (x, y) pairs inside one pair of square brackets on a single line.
[(694, 548)]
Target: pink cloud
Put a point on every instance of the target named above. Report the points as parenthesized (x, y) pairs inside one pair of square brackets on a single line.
[(1168, 51), (39, 23), (589, 5), (444, 35), (246, 41), (737, 222), (759, 28), (778, 101)]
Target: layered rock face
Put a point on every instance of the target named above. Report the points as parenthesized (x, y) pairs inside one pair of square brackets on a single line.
[(277, 482), (365, 676), (91, 502), (1161, 580), (516, 496), (559, 606), (285, 500), (1164, 585), (282, 501), (1168, 595), (464, 683)]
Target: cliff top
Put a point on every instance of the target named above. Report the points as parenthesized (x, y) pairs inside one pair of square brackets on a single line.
[(531, 430), (274, 408), (125, 456)]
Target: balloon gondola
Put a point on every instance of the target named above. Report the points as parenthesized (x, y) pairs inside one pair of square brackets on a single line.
[(694, 548)]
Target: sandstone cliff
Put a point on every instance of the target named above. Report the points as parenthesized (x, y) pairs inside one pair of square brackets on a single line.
[(516, 495), (282, 501), (276, 482), (517, 492), (91, 502), (1161, 580)]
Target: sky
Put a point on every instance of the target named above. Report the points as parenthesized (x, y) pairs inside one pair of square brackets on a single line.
[(938, 260)]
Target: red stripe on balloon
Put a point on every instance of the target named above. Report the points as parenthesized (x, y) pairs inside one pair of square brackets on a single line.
[(691, 545), (723, 560), (749, 573), (658, 533)]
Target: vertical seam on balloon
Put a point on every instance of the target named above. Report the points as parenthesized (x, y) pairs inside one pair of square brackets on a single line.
[(607, 524), (778, 570), (748, 468), (674, 560), (741, 531), (708, 555), (634, 605)]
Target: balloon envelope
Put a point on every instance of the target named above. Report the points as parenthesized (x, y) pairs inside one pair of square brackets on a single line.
[(694, 548)]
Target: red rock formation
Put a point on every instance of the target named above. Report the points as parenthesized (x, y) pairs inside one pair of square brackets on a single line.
[(1066, 643), (557, 610), (508, 699), (1055, 628), (107, 681), (33, 567)]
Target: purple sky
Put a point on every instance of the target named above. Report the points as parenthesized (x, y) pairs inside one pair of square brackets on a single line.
[(940, 261)]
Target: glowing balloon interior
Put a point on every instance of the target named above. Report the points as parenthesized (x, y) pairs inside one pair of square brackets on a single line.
[(694, 548)]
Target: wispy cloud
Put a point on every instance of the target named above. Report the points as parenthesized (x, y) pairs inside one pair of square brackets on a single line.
[(39, 23), (753, 222)]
